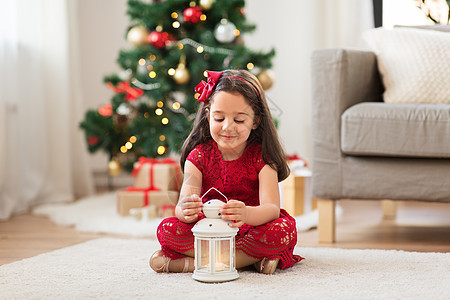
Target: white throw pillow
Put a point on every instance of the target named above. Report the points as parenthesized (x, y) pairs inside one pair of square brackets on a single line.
[(414, 64)]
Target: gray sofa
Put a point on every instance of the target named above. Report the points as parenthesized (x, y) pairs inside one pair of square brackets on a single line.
[(364, 148)]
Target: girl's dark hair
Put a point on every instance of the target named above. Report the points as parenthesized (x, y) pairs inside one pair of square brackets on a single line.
[(265, 134)]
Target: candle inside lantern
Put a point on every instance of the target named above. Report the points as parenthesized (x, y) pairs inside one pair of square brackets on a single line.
[(214, 246)]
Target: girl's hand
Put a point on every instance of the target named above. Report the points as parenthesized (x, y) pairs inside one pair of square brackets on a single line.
[(190, 206), (236, 211)]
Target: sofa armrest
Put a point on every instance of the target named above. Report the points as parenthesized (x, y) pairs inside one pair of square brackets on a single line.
[(340, 79)]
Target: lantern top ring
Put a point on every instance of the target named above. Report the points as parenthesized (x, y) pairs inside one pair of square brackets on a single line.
[(213, 188)]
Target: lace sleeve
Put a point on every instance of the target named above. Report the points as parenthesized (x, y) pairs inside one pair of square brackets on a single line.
[(196, 157), (258, 159)]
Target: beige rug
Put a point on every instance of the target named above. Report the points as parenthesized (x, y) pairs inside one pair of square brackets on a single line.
[(118, 269)]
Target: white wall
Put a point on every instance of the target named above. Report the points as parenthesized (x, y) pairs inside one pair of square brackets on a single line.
[(294, 27), (103, 25)]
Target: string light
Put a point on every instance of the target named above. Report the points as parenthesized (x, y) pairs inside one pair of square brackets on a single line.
[(196, 96), (128, 145), (160, 104), (176, 105), (174, 15), (236, 32), (171, 71), (165, 121), (250, 66), (133, 139), (200, 49), (123, 149), (159, 111), (161, 150), (146, 115), (142, 62), (162, 138), (203, 17), (152, 74), (152, 57), (176, 24)]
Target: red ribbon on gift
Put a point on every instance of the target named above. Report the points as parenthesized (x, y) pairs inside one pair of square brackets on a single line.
[(152, 161), (165, 208), (132, 93), (296, 157), (145, 191)]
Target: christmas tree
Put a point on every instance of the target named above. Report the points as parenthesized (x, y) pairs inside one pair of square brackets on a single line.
[(172, 43)]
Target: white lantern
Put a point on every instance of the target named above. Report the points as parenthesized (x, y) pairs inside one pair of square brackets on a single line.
[(215, 259)]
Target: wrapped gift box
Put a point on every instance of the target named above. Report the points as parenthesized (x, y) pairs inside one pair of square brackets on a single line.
[(127, 199), (164, 174), (297, 193)]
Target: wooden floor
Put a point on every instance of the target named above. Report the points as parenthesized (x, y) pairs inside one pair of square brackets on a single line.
[(423, 227)]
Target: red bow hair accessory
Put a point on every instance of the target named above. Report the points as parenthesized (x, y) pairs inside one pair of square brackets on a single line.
[(205, 89)]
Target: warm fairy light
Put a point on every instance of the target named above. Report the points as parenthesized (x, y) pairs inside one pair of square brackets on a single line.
[(161, 150), (128, 145), (165, 121), (236, 32), (162, 138), (200, 49), (180, 46), (196, 96), (159, 111), (159, 28), (149, 67), (250, 66), (192, 4), (174, 15), (142, 61), (152, 74), (146, 115), (205, 74), (171, 71), (176, 105), (203, 17), (160, 104), (123, 149), (133, 139), (152, 57), (176, 24)]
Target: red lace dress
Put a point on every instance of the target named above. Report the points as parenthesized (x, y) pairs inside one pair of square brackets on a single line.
[(237, 179)]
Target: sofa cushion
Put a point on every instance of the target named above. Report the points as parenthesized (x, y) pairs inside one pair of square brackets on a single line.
[(379, 129), (414, 64)]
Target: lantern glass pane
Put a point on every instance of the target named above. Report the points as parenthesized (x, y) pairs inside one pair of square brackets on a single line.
[(222, 257), (203, 254)]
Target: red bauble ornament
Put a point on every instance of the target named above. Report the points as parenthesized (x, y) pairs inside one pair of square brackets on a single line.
[(192, 14), (93, 140), (106, 110), (159, 39)]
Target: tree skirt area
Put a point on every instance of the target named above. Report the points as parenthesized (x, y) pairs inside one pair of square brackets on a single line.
[(110, 268), (98, 214)]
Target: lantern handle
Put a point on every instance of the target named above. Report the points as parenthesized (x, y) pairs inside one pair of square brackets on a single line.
[(213, 188)]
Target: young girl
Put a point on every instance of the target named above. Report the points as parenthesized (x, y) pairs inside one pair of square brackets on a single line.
[(234, 148)]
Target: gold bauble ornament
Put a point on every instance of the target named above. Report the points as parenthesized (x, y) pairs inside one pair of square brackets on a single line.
[(206, 4), (138, 35), (114, 168), (266, 78), (182, 74)]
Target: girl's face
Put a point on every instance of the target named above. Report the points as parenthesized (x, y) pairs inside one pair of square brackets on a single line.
[(231, 119)]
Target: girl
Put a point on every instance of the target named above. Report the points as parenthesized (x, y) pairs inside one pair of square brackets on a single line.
[(233, 147)]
